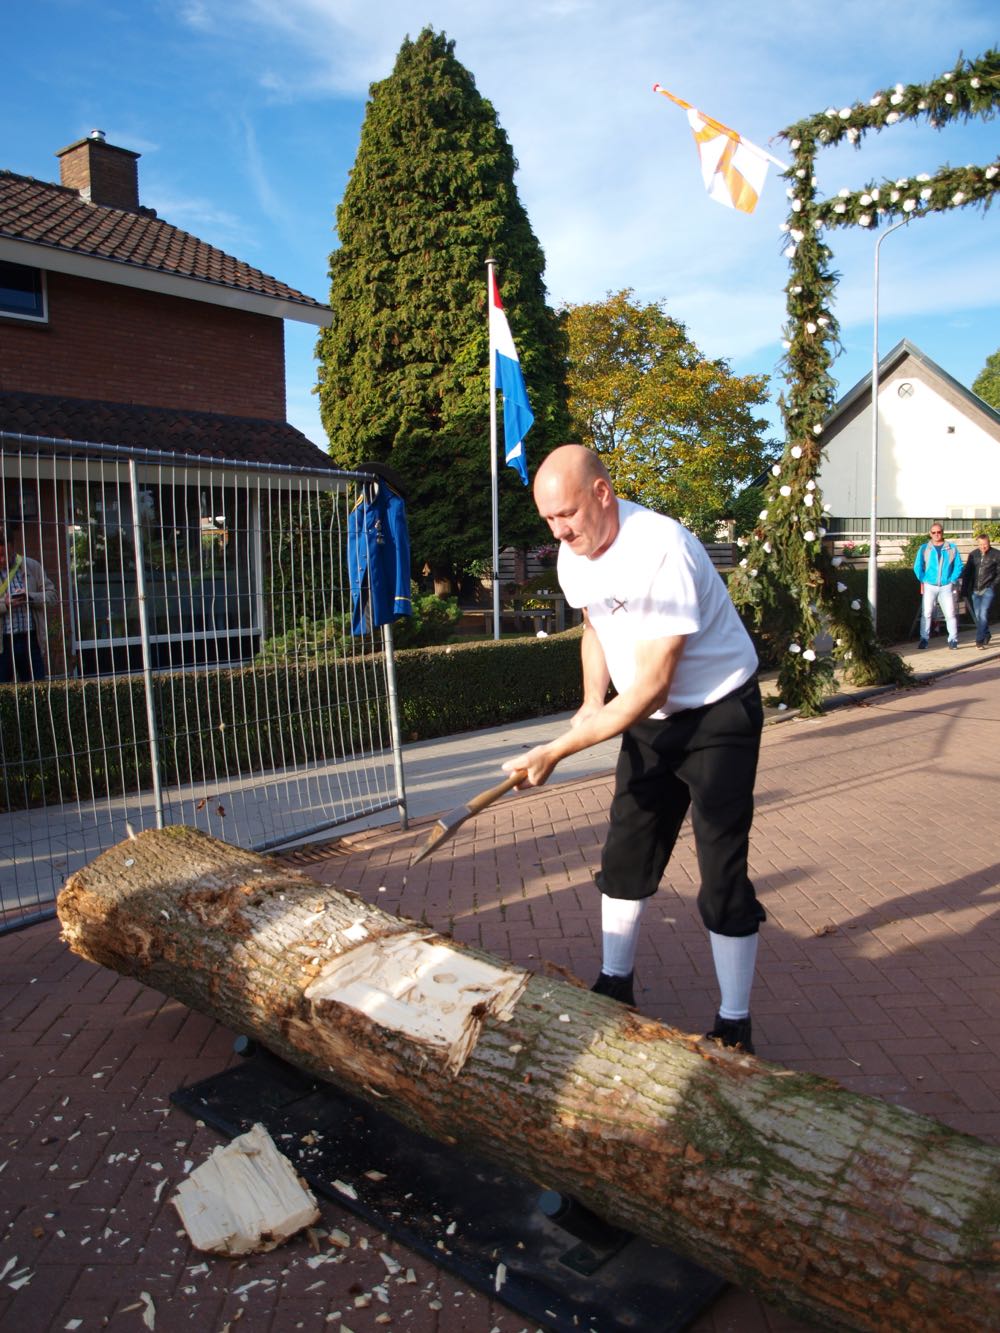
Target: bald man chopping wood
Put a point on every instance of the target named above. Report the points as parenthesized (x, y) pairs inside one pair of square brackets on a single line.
[(659, 626)]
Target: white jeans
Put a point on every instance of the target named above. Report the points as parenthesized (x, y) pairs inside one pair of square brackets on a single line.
[(945, 598)]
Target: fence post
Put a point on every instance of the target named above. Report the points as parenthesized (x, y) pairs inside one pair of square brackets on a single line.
[(147, 670), (394, 732)]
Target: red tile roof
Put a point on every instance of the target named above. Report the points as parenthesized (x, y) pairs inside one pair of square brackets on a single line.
[(166, 430), (54, 216)]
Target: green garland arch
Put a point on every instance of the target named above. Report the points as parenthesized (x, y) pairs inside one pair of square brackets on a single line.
[(788, 578)]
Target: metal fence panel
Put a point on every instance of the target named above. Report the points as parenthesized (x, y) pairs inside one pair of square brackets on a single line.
[(194, 620)]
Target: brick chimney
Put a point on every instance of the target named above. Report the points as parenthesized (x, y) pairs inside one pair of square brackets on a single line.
[(100, 172)]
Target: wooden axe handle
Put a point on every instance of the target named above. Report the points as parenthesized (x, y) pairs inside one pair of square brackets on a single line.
[(486, 798)]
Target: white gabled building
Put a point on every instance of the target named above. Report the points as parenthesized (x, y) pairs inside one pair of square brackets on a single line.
[(938, 449)]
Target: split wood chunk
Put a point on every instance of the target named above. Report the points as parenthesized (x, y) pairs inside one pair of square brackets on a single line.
[(247, 1198), (839, 1208)]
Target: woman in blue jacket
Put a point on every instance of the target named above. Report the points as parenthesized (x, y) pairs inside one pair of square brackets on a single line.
[(938, 566)]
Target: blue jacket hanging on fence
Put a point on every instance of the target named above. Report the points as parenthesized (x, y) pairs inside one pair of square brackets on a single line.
[(378, 557)]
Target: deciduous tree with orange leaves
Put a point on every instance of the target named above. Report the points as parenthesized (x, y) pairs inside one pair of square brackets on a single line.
[(678, 432)]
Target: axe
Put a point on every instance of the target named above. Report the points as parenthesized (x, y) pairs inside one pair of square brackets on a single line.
[(448, 823)]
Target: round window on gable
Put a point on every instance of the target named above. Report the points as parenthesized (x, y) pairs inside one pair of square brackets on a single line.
[(905, 390)]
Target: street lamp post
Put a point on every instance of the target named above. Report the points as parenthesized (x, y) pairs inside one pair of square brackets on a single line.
[(873, 529)]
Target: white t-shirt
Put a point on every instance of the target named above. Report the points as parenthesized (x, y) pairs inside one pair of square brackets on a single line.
[(655, 581)]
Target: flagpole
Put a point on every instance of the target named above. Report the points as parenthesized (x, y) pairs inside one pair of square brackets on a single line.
[(494, 481)]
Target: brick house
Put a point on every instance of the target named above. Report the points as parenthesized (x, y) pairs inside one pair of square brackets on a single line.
[(130, 337)]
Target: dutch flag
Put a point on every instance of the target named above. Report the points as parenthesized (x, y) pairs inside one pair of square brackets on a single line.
[(517, 414)]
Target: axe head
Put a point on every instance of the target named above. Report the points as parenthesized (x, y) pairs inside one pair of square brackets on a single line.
[(454, 819)]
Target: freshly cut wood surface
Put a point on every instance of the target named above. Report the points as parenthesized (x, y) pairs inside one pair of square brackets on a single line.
[(839, 1208), (245, 1199)]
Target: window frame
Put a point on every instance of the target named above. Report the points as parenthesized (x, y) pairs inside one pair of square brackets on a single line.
[(43, 292)]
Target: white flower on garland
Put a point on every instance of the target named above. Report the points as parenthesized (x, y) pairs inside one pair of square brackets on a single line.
[(796, 451), (789, 252), (865, 220), (958, 197), (810, 327), (822, 533), (990, 172), (926, 192), (810, 485), (973, 83), (743, 563), (766, 548), (753, 573), (794, 143), (909, 205), (892, 117), (762, 514), (807, 500), (785, 490), (817, 429), (845, 113), (896, 98), (865, 200), (949, 98), (809, 535), (841, 587), (809, 655), (794, 648), (776, 470), (855, 605), (923, 176), (853, 134)]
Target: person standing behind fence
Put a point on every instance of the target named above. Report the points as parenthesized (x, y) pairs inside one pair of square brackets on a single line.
[(938, 566), (25, 591), (979, 584)]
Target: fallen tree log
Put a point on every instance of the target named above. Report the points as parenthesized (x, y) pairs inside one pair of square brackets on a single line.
[(836, 1207)]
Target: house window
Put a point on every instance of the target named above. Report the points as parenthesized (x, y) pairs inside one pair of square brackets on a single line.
[(198, 561), (22, 292)]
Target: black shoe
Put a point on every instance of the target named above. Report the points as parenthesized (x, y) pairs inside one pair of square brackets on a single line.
[(921, 643), (732, 1032), (618, 988)]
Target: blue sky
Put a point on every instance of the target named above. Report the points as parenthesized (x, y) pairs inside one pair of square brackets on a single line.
[(247, 114)]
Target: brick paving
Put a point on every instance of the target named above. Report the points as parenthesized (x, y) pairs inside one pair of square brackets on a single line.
[(875, 853)]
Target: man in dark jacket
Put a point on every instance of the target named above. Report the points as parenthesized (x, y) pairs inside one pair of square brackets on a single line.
[(980, 581)]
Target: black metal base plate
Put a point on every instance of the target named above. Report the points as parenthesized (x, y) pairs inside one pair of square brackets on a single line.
[(460, 1211)]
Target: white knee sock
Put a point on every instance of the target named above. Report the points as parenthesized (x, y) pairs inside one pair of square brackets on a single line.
[(734, 959), (620, 918)]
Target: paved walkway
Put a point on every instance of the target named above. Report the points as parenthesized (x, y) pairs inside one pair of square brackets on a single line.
[(875, 853)]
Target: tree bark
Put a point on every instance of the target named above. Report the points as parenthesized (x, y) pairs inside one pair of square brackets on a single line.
[(838, 1208)]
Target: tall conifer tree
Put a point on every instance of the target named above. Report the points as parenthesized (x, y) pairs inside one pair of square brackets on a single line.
[(404, 373)]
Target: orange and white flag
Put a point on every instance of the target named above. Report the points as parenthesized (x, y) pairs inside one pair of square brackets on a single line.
[(733, 168)]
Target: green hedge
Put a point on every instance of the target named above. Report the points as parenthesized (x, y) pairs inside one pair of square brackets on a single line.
[(66, 740), (485, 684), (69, 740)]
